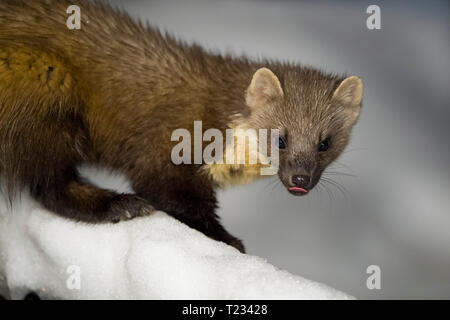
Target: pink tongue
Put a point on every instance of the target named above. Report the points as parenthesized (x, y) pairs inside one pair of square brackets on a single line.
[(297, 189)]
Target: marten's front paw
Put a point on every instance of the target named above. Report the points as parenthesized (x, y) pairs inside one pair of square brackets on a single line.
[(128, 206)]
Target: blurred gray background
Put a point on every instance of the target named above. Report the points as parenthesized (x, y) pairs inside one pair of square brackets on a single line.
[(396, 210)]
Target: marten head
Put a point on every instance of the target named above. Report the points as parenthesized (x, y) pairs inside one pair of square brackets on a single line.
[(314, 114)]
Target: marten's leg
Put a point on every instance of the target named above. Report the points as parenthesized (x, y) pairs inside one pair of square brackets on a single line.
[(49, 170), (47, 164), (206, 221), (43, 137), (71, 197), (189, 199)]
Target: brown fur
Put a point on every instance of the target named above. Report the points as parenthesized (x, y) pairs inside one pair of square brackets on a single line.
[(113, 92)]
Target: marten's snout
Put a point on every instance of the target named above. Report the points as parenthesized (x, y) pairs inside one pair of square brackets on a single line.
[(300, 184), (301, 181)]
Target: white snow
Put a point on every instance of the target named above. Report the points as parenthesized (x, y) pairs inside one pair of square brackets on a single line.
[(154, 257)]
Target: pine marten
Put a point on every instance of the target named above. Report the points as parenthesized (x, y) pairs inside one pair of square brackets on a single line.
[(111, 94)]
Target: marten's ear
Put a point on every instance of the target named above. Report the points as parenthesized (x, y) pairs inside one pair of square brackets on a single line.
[(349, 94), (264, 87)]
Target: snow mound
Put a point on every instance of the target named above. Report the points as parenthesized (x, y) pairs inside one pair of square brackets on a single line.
[(154, 257)]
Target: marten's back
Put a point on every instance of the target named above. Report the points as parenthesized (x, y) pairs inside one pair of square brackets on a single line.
[(42, 104), (109, 42), (83, 94)]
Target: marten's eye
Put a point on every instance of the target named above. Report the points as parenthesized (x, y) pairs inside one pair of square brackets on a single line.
[(324, 145), (281, 143)]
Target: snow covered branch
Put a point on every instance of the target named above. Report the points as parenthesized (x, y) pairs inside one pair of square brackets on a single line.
[(155, 257)]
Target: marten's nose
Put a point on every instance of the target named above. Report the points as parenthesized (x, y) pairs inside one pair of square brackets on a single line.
[(301, 181)]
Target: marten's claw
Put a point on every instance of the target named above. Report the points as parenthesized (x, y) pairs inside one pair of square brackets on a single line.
[(234, 242), (128, 206), (238, 245)]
